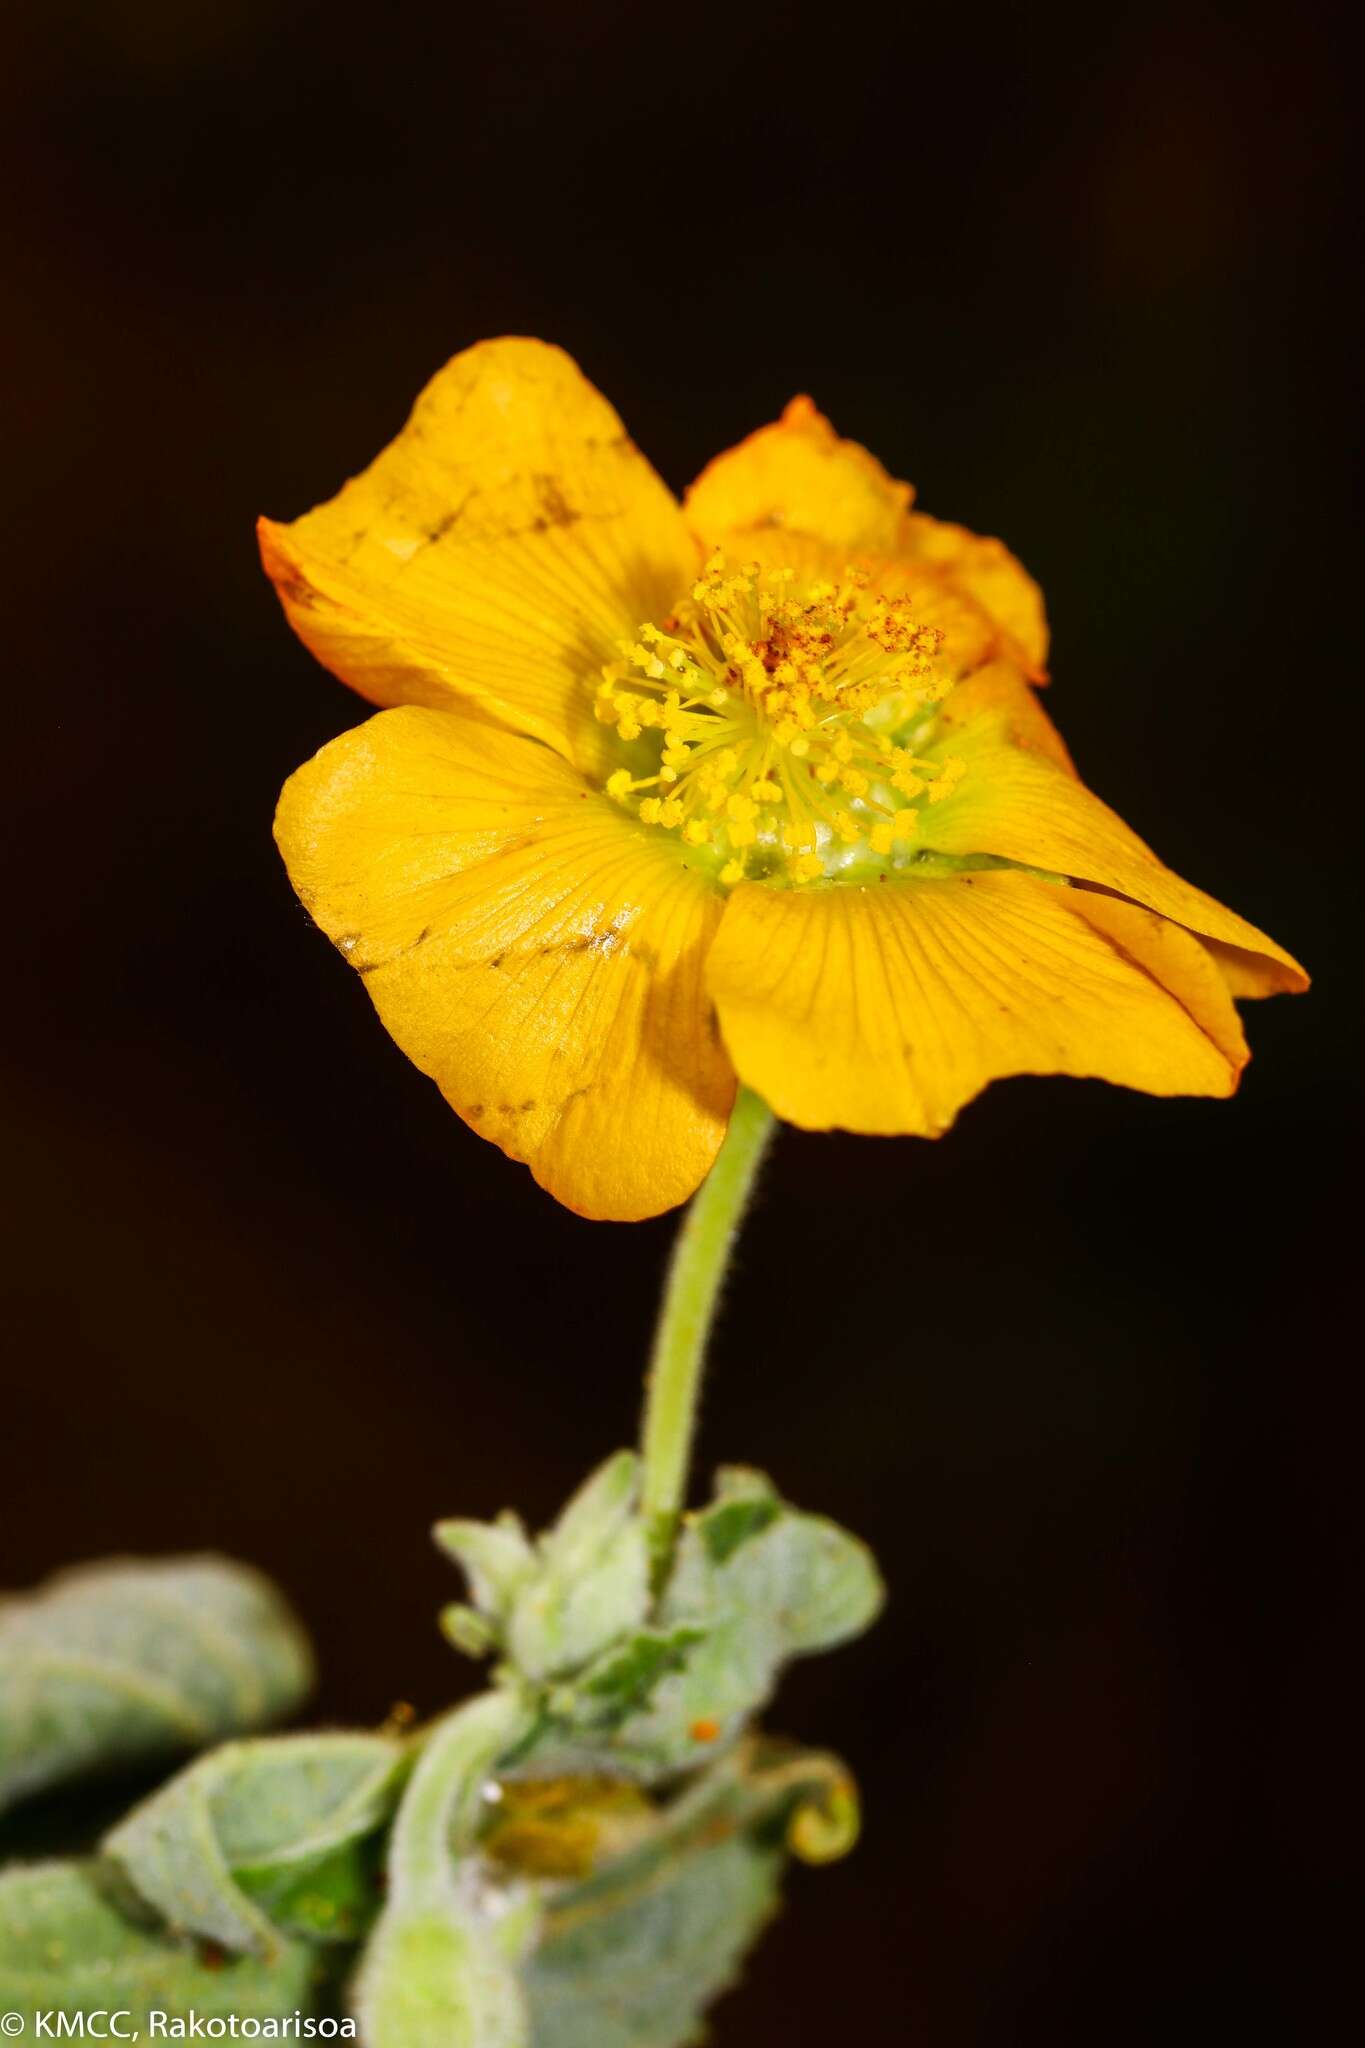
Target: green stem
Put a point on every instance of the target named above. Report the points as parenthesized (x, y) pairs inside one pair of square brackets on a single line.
[(700, 1257), (441, 1799)]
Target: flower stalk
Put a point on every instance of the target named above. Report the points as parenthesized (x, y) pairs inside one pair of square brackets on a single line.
[(701, 1256)]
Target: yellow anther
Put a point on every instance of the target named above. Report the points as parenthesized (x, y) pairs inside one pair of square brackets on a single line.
[(947, 779), (650, 663), (759, 665)]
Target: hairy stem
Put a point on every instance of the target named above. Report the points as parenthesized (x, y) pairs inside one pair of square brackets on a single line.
[(441, 1802), (700, 1257)]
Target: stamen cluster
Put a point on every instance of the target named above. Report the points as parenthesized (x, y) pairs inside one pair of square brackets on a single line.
[(788, 715)]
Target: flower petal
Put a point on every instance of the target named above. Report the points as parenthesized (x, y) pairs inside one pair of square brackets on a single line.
[(1020, 806), (985, 570), (794, 495), (1175, 958), (999, 693), (884, 1009), (1249, 975), (494, 554), (798, 476), (535, 951)]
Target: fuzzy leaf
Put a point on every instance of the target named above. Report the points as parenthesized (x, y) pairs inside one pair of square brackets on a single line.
[(624, 1681), (67, 1945), (635, 1955), (120, 1663), (264, 1835), (814, 1583), (754, 1584), (733, 1522)]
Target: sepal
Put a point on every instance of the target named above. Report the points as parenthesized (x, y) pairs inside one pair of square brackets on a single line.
[(754, 1584), (554, 1605)]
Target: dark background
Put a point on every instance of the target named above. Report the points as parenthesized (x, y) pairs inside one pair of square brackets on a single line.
[(1074, 1371)]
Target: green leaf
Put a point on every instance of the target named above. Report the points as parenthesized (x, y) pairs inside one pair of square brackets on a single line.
[(754, 1584), (125, 1662), (639, 1971), (262, 1836), (67, 1946), (815, 1585), (625, 1679), (733, 1523), (634, 1956)]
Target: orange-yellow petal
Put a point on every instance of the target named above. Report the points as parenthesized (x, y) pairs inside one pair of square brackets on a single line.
[(885, 1008), (1015, 803), (985, 570), (1249, 975), (534, 950), (1175, 958), (798, 477), (1000, 695), (795, 495), (494, 555)]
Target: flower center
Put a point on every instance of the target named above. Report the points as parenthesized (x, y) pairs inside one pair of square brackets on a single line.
[(775, 724)]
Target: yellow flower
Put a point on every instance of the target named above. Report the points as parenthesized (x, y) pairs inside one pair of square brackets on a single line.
[(757, 785)]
